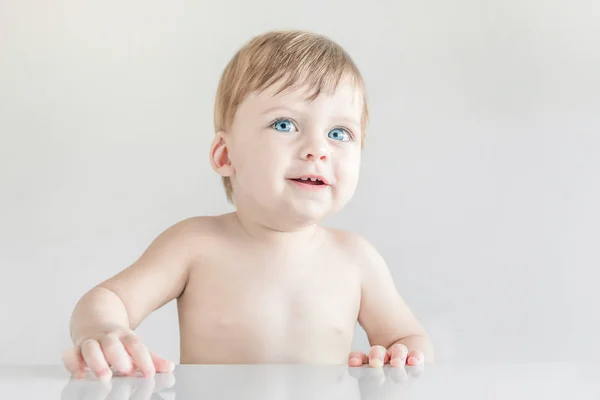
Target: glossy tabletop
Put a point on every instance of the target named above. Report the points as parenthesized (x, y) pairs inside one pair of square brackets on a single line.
[(466, 381)]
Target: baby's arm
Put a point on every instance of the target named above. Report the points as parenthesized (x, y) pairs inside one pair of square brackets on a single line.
[(391, 326), (103, 320)]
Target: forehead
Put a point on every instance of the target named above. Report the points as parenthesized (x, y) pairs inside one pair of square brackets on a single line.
[(346, 99)]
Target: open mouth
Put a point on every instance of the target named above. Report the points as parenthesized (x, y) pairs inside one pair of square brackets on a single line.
[(310, 181)]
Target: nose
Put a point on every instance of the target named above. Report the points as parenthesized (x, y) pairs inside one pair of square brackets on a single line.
[(314, 150)]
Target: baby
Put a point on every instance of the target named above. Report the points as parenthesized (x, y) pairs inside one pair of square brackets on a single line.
[(266, 283)]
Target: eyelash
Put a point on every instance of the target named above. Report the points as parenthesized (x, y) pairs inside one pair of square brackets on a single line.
[(296, 124), (279, 119)]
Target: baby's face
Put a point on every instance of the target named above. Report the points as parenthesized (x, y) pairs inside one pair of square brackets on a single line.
[(297, 158)]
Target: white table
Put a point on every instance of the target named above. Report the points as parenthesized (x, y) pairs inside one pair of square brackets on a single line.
[(208, 382)]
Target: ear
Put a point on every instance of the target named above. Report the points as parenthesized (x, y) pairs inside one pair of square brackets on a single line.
[(219, 155)]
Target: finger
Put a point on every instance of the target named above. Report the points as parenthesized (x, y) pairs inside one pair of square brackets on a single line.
[(357, 358), (133, 370), (115, 353), (94, 358), (398, 353), (140, 355), (74, 362), (378, 356), (161, 364), (416, 357)]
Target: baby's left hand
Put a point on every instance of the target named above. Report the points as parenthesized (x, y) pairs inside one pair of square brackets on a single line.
[(396, 356)]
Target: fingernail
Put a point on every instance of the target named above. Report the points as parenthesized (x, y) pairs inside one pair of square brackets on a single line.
[(376, 362), (412, 360), (170, 367), (104, 374), (355, 360)]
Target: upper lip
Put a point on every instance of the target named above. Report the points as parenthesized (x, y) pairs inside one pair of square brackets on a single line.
[(313, 176)]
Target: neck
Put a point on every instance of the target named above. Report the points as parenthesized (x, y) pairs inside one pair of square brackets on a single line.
[(279, 232)]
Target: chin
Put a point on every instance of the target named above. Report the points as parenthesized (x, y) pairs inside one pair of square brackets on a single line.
[(306, 213)]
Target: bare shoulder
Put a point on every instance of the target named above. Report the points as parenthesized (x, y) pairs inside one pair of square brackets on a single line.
[(161, 272), (199, 230), (198, 225)]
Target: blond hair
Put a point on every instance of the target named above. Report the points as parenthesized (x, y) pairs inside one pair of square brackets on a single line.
[(297, 58)]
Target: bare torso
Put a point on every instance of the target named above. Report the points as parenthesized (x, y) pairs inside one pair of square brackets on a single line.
[(247, 302)]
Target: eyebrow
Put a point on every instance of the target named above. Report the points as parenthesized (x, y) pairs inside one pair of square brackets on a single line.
[(344, 118), (283, 108), (347, 120)]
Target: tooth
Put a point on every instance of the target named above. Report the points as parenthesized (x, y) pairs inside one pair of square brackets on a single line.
[(313, 179), (304, 179)]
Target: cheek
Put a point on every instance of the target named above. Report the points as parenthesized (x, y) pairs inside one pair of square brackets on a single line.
[(258, 164), (242, 157), (348, 167), (347, 173)]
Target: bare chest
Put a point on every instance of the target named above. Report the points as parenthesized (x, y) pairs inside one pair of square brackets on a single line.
[(269, 309)]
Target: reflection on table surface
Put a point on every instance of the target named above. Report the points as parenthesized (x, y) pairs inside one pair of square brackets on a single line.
[(489, 381)]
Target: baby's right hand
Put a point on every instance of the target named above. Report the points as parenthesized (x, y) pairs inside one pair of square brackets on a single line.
[(120, 349)]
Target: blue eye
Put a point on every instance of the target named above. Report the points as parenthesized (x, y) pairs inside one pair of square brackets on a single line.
[(284, 125), (339, 134)]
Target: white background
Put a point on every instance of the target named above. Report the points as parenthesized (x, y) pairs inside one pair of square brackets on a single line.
[(480, 182)]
